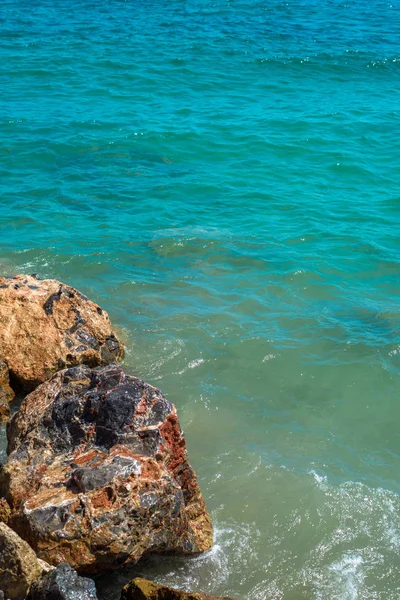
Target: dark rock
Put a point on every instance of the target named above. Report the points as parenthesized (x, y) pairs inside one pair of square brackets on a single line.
[(63, 583), (88, 479), (98, 474)]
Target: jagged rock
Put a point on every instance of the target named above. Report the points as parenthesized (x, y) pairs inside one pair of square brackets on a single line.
[(6, 393), (5, 511), (143, 589), (98, 474), (19, 565), (46, 326), (63, 583)]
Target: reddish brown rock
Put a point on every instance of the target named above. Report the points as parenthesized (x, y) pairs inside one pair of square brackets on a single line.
[(6, 393), (143, 589), (97, 472), (46, 326)]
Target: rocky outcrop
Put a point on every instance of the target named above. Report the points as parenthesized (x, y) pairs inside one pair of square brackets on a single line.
[(46, 326), (63, 583), (19, 565), (142, 589), (98, 474), (6, 393)]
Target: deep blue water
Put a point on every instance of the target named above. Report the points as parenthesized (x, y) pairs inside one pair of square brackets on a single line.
[(223, 177)]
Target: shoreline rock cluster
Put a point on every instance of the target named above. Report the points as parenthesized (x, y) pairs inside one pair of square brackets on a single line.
[(97, 472), (46, 326)]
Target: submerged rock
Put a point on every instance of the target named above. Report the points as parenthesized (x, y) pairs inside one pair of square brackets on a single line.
[(6, 393), (46, 326), (63, 583), (143, 589), (98, 474), (19, 565)]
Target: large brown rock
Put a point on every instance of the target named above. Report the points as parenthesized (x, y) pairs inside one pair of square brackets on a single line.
[(98, 474), (19, 565), (143, 589), (46, 326)]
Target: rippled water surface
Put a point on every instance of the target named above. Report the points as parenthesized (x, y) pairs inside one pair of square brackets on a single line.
[(223, 177)]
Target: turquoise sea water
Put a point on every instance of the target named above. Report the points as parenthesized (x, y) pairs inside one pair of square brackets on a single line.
[(223, 177)]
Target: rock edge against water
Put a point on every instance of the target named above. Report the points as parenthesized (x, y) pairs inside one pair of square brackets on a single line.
[(143, 589), (46, 326), (97, 472)]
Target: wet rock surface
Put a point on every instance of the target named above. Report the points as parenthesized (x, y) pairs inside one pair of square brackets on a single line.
[(46, 326), (143, 589), (98, 475), (19, 565), (63, 583)]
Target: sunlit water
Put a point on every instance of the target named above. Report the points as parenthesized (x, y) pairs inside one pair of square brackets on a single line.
[(223, 177)]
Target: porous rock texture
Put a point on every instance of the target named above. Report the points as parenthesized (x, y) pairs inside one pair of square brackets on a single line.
[(6, 393), (46, 326), (19, 565), (63, 583), (98, 474), (143, 589), (5, 511)]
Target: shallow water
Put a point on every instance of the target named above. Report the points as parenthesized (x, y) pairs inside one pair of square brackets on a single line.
[(223, 178)]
